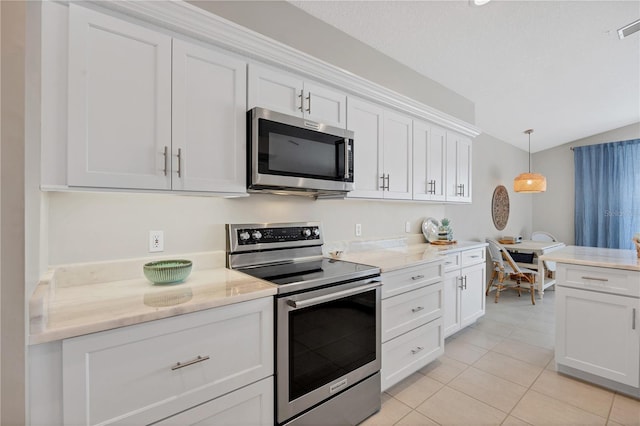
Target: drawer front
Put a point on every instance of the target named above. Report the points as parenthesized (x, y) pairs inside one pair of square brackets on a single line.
[(407, 279), (149, 371), (606, 280), (406, 354), (452, 262), (472, 257), (249, 406), (407, 311)]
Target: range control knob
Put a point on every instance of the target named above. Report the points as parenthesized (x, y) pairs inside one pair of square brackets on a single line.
[(306, 232), (316, 232), (256, 235), (244, 236)]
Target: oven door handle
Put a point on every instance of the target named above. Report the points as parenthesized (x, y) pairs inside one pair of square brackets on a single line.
[(298, 304)]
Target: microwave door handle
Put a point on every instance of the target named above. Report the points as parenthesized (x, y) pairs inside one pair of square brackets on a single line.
[(346, 158), (298, 304)]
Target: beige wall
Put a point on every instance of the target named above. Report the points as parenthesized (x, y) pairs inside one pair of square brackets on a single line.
[(281, 21), (553, 211), (12, 214), (494, 163)]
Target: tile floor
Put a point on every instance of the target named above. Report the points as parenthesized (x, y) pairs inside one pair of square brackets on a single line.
[(501, 371)]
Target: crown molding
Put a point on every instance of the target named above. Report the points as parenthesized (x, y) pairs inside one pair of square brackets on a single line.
[(200, 24)]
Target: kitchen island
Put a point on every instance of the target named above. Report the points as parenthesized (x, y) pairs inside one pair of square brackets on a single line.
[(597, 309)]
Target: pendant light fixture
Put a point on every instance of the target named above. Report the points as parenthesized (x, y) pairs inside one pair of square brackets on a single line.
[(530, 182)]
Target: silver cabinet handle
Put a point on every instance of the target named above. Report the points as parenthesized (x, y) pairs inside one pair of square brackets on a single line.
[(465, 282), (188, 363), (179, 162), (432, 187), (417, 277), (388, 181), (383, 187), (309, 103), (595, 279), (633, 319), (475, 256), (417, 309), (301, 96), (166, 156), (461, 190), (416, 350)]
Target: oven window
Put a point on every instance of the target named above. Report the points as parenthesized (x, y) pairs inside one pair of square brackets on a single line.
[(328, 340), (291, 151)]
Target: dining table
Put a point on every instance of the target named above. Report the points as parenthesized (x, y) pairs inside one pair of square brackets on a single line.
[(538, 248)]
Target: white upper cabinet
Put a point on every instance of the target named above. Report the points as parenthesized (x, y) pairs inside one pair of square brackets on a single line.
[(149, 112), (459, 160), (429, 162), (366, 120), (382, 151), (119, 103), (289, 94), (209, 131), (397, 156)]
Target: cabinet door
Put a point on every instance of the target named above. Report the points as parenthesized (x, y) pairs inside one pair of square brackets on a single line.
[(397, 152), (119, 121), (451, 305), (275, 90), (209, 115), (249, 406), (472, 298), (429, 162), (366, 121), (325, 105), (598, 333), (459, 161)]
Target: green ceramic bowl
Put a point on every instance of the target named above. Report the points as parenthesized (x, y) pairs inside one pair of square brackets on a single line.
[(167, 271)]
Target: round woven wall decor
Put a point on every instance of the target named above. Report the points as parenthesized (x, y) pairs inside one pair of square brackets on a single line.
[(500, 207)]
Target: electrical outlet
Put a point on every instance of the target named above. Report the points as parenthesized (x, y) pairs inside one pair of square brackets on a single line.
[(358, 230), (407, 227), (156, 241)]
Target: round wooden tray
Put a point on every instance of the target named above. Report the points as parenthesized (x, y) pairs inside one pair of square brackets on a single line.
[(443, 242)]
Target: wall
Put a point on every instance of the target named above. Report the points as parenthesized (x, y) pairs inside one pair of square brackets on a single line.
[(494, 163), (12, 213), (286, 23), (553, 210)]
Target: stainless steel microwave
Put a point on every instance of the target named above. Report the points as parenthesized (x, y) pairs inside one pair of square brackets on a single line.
[(291, 155)]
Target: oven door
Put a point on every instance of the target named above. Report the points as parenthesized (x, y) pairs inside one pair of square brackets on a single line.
[(290, 152), (327, 340)]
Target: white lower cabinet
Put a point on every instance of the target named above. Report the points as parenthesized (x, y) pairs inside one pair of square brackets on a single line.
[(251, 405), (412, 333), (464, 300), (148, 372), (597, 324)]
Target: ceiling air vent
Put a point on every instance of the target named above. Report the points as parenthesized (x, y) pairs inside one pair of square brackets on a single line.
[(627, 30)]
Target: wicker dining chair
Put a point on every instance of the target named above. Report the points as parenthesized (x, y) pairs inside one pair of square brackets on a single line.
[(508, 272)]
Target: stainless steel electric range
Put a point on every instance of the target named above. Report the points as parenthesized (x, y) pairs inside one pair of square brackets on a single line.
[(327, 335)]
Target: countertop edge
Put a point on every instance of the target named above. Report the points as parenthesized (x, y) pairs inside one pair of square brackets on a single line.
[(47, 336)]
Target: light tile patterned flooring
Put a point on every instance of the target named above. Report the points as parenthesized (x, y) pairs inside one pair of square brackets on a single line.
[(501, 371)]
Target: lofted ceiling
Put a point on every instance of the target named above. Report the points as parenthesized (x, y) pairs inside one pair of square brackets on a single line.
[(555, 66)]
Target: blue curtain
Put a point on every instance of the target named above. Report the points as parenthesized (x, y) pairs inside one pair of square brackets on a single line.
[(607, 188)]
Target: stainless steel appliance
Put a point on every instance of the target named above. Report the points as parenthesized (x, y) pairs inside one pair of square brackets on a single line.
[(327, 335), (292, 155)]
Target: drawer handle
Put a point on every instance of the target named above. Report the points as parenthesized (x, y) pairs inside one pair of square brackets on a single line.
[(417, 277), (633, 320), (595, 279), (474, 256), (417, 309), (188, 363), (448, 263), (416, 350)]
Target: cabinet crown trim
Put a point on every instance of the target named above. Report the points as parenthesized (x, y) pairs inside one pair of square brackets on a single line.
[(195, 22)]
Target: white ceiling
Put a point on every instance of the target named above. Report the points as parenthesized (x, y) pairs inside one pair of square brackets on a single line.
[(555, 66)]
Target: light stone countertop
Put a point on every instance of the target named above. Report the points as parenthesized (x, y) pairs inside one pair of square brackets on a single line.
[(595, 256), (394, 258), (74, 300)]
